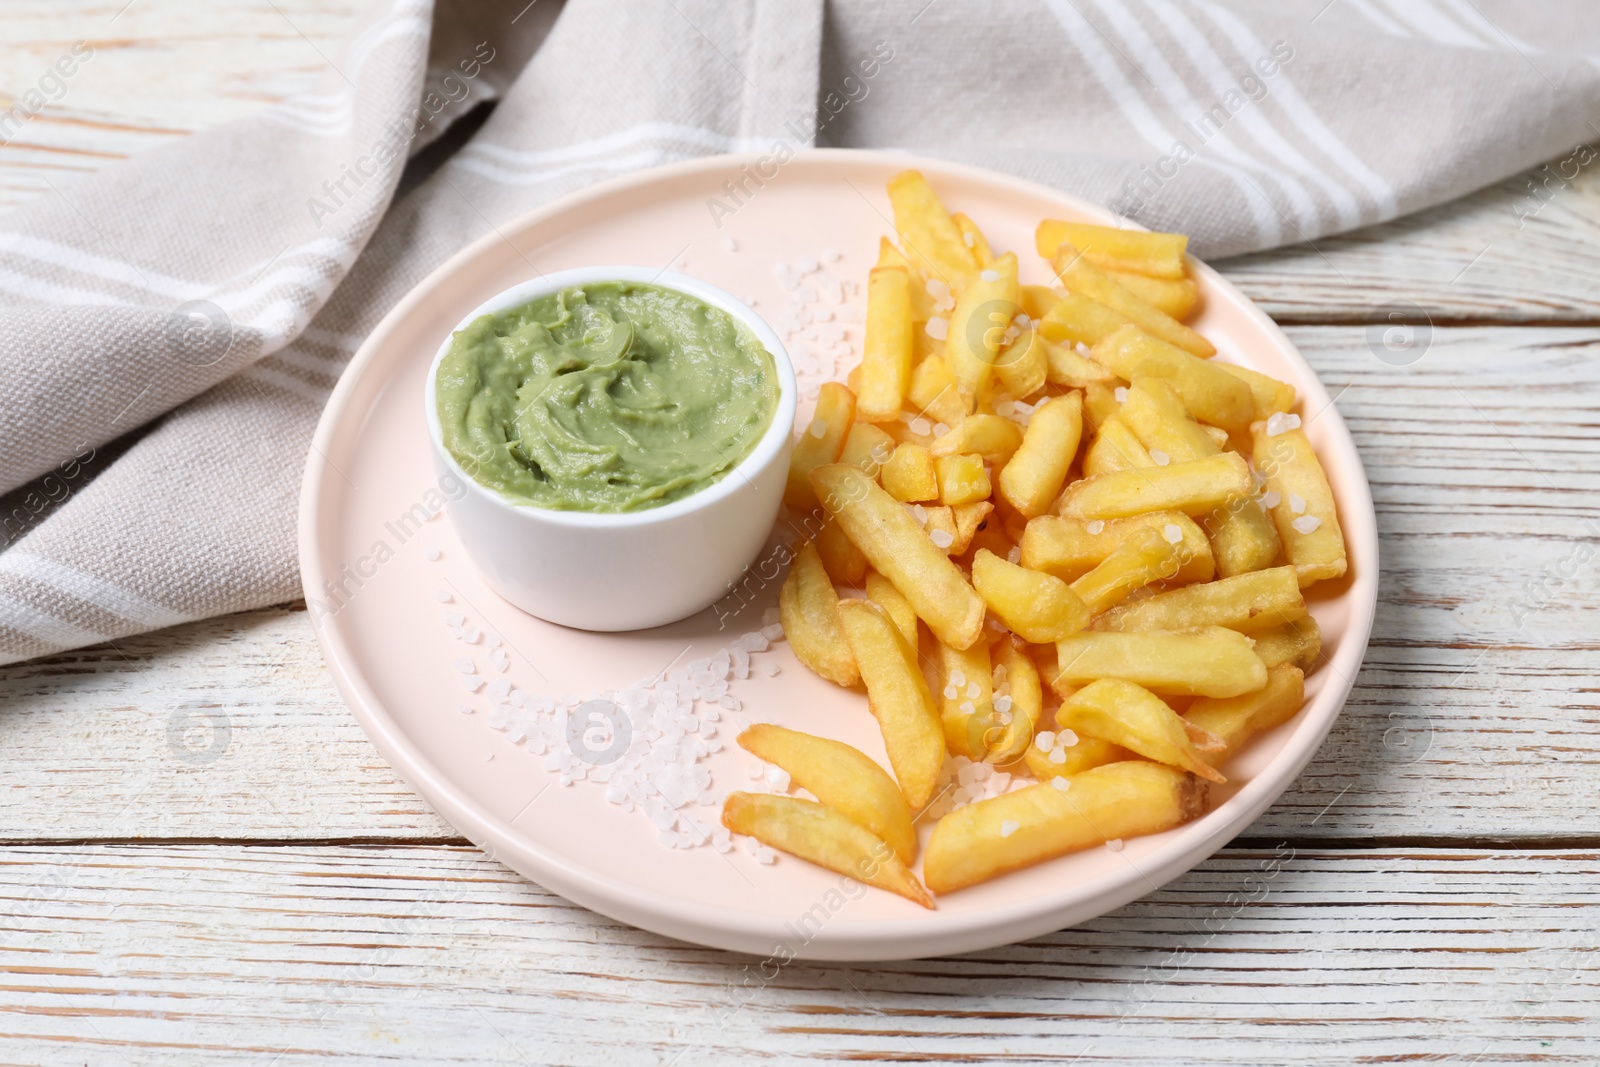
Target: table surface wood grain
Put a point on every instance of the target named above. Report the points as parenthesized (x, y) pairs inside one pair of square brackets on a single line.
[(1429, 890)]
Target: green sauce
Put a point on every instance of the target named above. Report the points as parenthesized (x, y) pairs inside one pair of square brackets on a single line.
[(618, 396)]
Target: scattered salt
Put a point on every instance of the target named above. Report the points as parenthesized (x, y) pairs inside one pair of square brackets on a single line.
[(1272, 498), (729, 243), (453, 619), (817, 429), (951, 692), (765, 856), (1121, 393), (974, 690), (777, 778), (969, 239), (1115, 844), (432, 552), (1002, 704), (465, 709), (1282, 422), (937, 327), (1297, 504), (1161, 458), (1096, 526), (989, 275), (1015, 555), (472, 682), (921, 426), (464, 666), (442, 596), (1172, 533), (1061, 784), (1046, 740), (1009, 827), (1306, 523), (1058, 755)]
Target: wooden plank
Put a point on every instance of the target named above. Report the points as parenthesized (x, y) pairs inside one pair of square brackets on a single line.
[(241, 955), (1523, 250), (1477, 695)]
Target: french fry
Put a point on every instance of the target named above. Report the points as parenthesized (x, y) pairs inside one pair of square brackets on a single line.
[(1076, 319), (886, 350), (1065, 760), (840, 557), (881, 591), (1174, 297), (898, 697), (1037, 300), (868, 447), (823, 836), (922, 309), (821, 443), (1243, 538), (968, 518), (991, 537), (962, 479), (1071, 548), (973, 238), (1041, 822), (1100, 403), (1194, 488), (1248, 603), (1115, 448), (990, 436), (1065, 367), (842, 778), (966, 700), (1298, 644), (1036, 606), (978, 324), (1270, 395), (1212, 662), (1033, 477), (1023, 366), (1156, 255), (1236, 721), (1084, 278), (931, 238), (900, 550), (935, 393), (1142, 558), (1019, 680), (1307, 518), (1135, 718), (910, 476), (808, 607), (1210, 394)]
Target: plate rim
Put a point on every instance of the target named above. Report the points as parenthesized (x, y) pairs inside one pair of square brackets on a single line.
[(843, 940)]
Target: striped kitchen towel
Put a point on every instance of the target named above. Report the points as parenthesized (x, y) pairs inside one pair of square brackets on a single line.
[(170, 327)]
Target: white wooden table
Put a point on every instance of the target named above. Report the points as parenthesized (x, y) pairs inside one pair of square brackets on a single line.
[(270, 892)]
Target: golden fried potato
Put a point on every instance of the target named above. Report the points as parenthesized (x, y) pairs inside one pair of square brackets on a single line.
[(881, 591), (1209, 393), (1213, 662), (898, 697), (994, 438), (1041, 822), (1154, 255), (1307, 517), (1194, 488), (1084, 278), (886, 352), (1135, 718), (1071, 548), (1037, 606), (1248, 603), (823, 836), (931, 238), (1236, 721), (1032, 479), (808, 606), (821, 443)]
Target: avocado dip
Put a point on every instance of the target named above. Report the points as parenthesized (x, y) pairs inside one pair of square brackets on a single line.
[(609, 397)]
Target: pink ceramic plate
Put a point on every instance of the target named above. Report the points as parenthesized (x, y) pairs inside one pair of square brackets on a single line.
[(376, 574)]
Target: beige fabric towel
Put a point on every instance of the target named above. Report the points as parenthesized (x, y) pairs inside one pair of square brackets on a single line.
[(170, 328)]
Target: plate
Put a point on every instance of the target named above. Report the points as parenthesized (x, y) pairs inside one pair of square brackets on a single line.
[(378, 560)]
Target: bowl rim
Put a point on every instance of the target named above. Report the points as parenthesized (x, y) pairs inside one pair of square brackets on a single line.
[(741, 475)]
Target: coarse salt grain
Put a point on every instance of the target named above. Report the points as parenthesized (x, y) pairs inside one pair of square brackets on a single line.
[(1282, 422), (453, 619), (442, 596), (1015, 555), (974, 690), (1121, 393), (969, 239), (958, 677), (951, 692), (432, 552), (940, 429), (1096, 526), (1009, 827), (465, 709), (1306, 523), (817, 429), (472, 682), (729, 243), (937, 327), (1061, 784), (1172, 533), (989, 275), (921, 426), (1058, 755), (1297, 504), (1272, 498), (1046, 740), (1160, 457), (1115, 844), (1067, 738), (766, 857), (464, 666), (941, 538)]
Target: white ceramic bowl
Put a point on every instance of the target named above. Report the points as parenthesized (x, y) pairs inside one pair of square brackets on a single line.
[(637, 569)]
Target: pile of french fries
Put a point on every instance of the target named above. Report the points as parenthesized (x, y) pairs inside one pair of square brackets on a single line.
[(1045, 531)]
